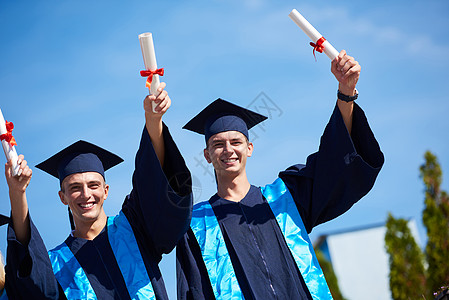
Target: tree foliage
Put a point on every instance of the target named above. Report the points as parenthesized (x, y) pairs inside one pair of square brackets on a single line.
[(403, 250), (436, 220), (407, 277), (330, 276)]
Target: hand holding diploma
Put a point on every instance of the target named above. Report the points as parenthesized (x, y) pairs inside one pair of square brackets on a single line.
[(149, 59), (156, 106), (347, 71), (8, 143), (18, 184)]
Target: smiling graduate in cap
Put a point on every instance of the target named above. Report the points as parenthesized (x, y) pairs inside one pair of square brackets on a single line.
[(104, 257), (249, 242)]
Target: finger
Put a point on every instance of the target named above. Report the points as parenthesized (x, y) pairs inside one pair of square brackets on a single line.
[(354, 70), (23, 164), (341, 54), (147, 106), (163, 106), (161, 87), (342, 62), (348, 65), (19, 159), (161, 96), (7, 169), (150, 97), (166, 104), (27, 172), (334, 65)]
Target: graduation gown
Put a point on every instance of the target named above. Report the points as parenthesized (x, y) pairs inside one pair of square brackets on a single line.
[(158, 210), (342, 171)]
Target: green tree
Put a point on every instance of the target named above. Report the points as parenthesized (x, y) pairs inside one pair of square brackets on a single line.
[(330, 276), (436, 220), (407, 273)]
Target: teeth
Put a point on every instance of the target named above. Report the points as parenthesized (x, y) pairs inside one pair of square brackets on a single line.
[(230, 160), (88, 205)]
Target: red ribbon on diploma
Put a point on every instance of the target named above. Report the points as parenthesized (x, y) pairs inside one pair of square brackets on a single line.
[(318, 46), (8, 136), (149, 74)]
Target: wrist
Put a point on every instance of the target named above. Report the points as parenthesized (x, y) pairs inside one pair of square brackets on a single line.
[(153, 118), (347, 97), (154, 125), (346, 90)]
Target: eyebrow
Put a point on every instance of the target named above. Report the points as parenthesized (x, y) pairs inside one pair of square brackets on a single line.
[(223, 140), (79, 183)]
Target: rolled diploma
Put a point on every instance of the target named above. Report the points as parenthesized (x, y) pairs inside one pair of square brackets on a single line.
[(10, 151), (313, 34), (149, 59)]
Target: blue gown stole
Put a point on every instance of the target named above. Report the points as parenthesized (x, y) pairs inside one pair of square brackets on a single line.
[(219, 267), (73, 279)]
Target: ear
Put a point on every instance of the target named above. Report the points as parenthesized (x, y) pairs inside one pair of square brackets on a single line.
[(206, 155), (62, 198), (106, 191), (250, 149)]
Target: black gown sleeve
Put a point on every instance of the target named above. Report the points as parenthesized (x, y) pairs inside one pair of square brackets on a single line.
[(159, 206), (342, 171), (193, 281), (29, 274)]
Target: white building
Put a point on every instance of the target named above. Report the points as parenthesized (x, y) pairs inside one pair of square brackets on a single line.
[(360, 260)]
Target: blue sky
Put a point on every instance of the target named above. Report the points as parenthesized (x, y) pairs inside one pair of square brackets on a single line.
[(69, 70)]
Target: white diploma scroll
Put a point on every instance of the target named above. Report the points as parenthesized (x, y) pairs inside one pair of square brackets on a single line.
[(10, 151), (313, 34), (149, 59)]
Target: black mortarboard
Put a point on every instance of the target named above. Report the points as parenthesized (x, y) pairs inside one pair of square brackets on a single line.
[(79, 157), (220, 116), (4, 220)]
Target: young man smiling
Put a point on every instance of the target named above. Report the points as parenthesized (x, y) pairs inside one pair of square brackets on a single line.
[(104, 257), (85, 194), (251, 242)]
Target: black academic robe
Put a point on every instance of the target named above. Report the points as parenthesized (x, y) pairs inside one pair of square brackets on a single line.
[(342, 171), (158, 210)]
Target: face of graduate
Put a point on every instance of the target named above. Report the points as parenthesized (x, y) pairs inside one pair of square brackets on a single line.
[(85, 194), (228, 152)]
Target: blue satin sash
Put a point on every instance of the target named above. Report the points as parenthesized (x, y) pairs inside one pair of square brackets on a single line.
[(69, 274), (296, 237), (73, 279), (222, 277), (219, 267)]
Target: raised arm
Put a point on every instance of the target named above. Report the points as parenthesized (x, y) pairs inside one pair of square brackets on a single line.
[(17, 195), (348, 161), (153, 120), (159, 205), (347, 71), (28, 269)]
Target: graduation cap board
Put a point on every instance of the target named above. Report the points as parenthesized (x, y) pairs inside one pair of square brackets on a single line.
[(3, 220), (79, 157), (220, 116)]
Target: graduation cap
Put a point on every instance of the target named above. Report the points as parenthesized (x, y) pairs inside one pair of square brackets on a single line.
[(220, 116), (4, 220), (79, 157)]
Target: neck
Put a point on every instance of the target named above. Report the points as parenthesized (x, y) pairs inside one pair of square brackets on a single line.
[(90, 230), (233, 188)]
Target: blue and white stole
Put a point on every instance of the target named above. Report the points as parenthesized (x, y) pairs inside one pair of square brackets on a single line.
[(219, 267), (73, 279)]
